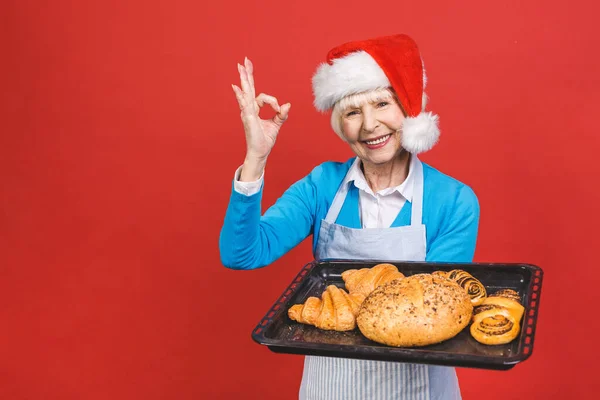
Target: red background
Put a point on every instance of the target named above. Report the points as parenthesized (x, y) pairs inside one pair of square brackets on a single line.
[(119, 137)]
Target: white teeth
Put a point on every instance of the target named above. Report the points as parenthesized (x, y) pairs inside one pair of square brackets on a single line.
[(380, 140)]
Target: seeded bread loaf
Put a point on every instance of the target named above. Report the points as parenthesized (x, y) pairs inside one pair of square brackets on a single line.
[(418, 310)]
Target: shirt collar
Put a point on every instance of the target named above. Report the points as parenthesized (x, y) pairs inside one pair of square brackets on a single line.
[(406, 188)]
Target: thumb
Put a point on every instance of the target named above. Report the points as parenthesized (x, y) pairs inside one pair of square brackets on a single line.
[(282, 115)]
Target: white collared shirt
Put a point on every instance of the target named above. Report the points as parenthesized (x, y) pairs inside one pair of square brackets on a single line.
[(377, 210)]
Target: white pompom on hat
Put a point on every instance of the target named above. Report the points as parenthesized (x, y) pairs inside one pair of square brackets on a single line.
[(389, 61)]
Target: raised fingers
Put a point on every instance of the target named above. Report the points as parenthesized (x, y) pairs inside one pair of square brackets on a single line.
[(239, 95), (250, 73), (246, 88)]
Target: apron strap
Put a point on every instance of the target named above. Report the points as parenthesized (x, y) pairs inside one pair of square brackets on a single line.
[(416, 216), (338, 202)]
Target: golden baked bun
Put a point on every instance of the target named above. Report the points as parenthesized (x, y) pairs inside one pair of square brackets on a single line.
[(498, 319), (364, 281), (418, 310), (336, 310)]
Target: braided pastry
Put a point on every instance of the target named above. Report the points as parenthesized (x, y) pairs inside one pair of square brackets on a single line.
[(364, 281), (498, 319), (474, 288)]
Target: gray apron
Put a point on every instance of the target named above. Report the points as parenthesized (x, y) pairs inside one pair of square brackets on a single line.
[(351, 379)]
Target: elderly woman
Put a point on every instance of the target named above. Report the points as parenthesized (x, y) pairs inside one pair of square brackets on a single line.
[(382, 204)]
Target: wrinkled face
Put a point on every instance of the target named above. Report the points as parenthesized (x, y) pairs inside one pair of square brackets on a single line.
[(371, 126)]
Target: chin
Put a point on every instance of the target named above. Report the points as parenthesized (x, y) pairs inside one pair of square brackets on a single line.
[(381, 158)]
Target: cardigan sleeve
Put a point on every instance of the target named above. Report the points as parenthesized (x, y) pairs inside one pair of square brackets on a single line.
[(457, 237), (249, 240)]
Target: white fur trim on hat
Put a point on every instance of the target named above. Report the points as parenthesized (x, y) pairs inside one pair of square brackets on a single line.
[(355, 73), (421, 133)]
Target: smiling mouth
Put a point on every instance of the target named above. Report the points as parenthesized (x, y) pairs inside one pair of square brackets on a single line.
[(378, 140)]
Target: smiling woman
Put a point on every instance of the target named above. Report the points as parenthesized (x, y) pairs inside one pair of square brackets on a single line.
[(375, 92), (371, 123)]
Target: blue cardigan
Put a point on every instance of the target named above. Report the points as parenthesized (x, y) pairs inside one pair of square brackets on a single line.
[(249, 240)]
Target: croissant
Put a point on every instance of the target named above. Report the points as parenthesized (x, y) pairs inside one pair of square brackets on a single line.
[(336, 310), (498, 319), (474, 288), (364, 281)]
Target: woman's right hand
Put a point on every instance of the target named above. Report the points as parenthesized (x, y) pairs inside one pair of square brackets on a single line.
[(260, 134)]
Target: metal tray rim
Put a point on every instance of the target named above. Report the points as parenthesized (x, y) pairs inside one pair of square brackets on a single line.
[(411, 354)]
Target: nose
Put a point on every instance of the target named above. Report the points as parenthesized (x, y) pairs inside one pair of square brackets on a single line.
[(370, 121)]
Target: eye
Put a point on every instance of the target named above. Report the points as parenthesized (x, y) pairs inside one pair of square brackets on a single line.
[(382, 104), (351, 113)]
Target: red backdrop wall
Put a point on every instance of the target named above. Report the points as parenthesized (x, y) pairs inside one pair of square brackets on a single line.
[(119, 137)]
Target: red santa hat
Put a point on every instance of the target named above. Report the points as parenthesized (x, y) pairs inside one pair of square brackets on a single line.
[(390, 61)]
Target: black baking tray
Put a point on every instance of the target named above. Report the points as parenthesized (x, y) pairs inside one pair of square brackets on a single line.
[(282, 335)]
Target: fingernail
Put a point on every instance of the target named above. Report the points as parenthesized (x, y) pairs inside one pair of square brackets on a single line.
[(245, 60), (239, 67)]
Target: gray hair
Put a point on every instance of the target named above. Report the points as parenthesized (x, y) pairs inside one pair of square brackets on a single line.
[(357, 100)]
